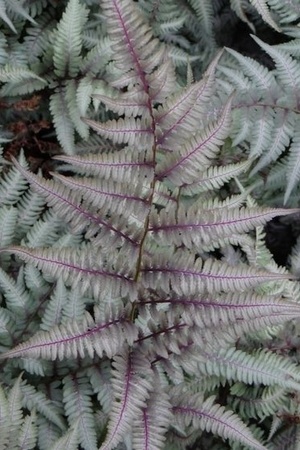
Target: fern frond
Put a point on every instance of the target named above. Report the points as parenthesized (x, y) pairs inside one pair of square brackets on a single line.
[(17, 9), (293, 166), (74, 306), (68, 39), (211, 417), (73, 339), (205, 14), (129, 370), (262, 366), (287, 67), (8, 220), (263, 9), (180, 113), (45, 231), (30, 208), (15, 74), (14, 414), (214, 177), (263, 78), (258, 401), (136, 52), (124, 131), (5, 17), (112, 198), (62, 120), (69, 441), (74, 113), (183, 167), (81, 267), (112, 166), (148, 432), (100, 379), (38, 38), (48, 434), (188, 276), (53, 311), (214, 225), (16, 297), (77, 394), (80, 216), (28, 432), (13, 184)]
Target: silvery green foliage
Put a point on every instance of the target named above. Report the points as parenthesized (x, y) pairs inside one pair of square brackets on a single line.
[(139, 307)]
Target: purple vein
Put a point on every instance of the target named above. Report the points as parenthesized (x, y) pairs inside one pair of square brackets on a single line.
[(66, 265), (211, 224), (88, 215), (75, 337), (209, 275), (199, 146)]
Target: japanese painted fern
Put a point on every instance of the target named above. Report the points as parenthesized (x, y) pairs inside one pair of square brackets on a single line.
[(132, 290)]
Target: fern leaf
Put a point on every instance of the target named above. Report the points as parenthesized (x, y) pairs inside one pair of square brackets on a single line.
[(34, 399), (129, 371), (62, 120), (177, 226), (48, 434), (128, 131), (30, 208), (293, 166), (80, 268), (13, 184), (130, 105), (12, 74), (205, 14), (17, 8), (112, 198), (258, 401), (136, 52), (261, 76), (74, 306), (214, 177), (188, 276), (28, 433), (238, 7), (112, 166), (281, 135), (263, 9), (69, 441), (100, 379), (184, 167), (148, 432), (74, 113), (72, 339), (45, 231), (229, 309), (15, 414), (261, 367), (180, 113), (4, 414), (83, 98), (77, 394), (68, 40), (212, 417), (53, 310), (8, 220), (4, 16), (287, 67), (16, 296), (65, 203)]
